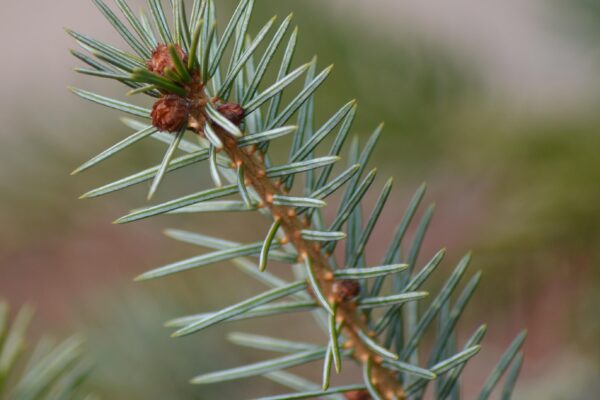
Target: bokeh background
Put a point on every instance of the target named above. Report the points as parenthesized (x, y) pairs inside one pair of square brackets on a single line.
[(493, 103)]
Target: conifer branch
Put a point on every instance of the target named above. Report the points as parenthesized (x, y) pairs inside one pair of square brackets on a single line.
[(224, 112)]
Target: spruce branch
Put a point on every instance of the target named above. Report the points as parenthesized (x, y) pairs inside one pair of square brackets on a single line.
[(207, 86), (51, 371)]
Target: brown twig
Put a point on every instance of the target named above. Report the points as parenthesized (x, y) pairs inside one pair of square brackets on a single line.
[(353, 321)]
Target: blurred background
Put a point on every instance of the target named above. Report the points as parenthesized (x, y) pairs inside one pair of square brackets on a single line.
[(493, 103)]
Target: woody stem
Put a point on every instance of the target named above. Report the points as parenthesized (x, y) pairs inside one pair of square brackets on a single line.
[(292, 225)]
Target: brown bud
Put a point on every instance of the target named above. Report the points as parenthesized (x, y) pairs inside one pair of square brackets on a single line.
[(161, 59), (346, 290), (170, 113), (233, 112), (358, 395)]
